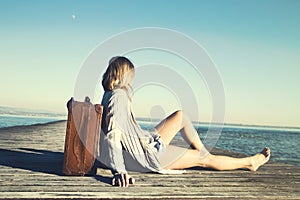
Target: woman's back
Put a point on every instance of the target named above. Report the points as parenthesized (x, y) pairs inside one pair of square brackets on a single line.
[(121, 135)]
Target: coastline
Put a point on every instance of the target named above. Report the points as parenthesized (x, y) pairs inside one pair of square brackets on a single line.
[(144, 119), (32, 125), (148, 120)]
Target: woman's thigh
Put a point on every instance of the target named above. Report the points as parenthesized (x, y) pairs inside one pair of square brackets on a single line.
[(168, 127)]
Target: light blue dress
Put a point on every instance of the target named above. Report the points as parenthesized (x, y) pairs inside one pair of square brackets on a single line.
[(123, 144)]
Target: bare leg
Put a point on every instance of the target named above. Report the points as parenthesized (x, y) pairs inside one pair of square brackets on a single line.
[(180, 158), (179, 121)]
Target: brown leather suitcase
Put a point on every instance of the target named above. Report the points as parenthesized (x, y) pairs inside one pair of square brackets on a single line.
[(82, 137)]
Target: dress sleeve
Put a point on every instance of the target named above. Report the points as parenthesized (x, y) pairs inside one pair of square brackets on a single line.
[(115, 152), (117, 117)]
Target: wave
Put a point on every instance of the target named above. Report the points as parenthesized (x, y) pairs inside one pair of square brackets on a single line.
[(12, 120), (32, 125), (11, 111)]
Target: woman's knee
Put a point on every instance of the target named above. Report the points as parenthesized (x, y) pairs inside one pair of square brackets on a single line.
[(181, 116), (178, 113), (178, 116)]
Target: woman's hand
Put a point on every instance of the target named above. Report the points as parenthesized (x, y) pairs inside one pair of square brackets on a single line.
[(122, 180)]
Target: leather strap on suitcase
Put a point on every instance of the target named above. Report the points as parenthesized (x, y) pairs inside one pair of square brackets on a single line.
[(82, 137)]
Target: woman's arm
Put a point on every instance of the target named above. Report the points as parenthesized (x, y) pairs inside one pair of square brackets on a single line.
[(116, 160), (117, 118), (115, 152)]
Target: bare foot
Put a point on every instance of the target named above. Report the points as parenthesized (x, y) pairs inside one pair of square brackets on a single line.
[(260, 159)]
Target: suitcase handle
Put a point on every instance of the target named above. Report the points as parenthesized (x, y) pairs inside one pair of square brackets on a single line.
[(87, 99)]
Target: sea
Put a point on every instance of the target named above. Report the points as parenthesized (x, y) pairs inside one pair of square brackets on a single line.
[(17, 120), (283, 141), (12, 116)]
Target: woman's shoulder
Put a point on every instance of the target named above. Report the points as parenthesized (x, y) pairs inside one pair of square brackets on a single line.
[(119, 93), (116, 91), (116, 95)]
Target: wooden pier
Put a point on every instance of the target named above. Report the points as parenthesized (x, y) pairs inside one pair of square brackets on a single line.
[(31, 162)]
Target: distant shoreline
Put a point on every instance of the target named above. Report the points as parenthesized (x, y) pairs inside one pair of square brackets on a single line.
[(251, 125), (143, 119), (33, 125), (24, 112), (227, 124)]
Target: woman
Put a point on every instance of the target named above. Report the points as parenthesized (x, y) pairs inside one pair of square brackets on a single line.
[(125, 146)]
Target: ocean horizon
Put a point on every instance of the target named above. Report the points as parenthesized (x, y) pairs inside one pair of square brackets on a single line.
[(10, 120)]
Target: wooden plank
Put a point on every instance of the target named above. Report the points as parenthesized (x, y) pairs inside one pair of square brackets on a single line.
[(108, 195)]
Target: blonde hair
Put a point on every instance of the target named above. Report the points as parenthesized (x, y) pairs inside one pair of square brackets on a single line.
[(117, 74)]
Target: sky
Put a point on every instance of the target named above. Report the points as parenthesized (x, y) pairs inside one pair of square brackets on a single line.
[(255, 46)]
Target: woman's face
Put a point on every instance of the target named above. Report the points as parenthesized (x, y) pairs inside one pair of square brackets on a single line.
[(131, 76), (128, 77)]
